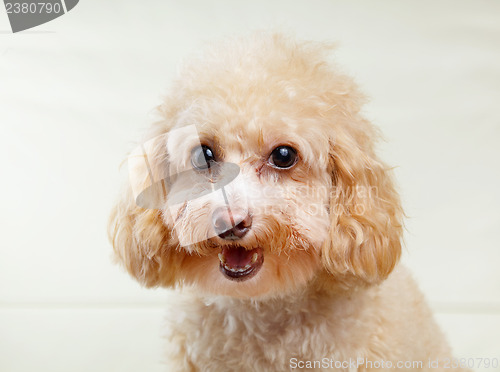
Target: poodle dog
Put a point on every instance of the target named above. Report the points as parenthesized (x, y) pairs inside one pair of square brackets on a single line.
[(259, 199)]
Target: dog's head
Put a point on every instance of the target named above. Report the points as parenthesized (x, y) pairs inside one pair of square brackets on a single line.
[(266, 178)]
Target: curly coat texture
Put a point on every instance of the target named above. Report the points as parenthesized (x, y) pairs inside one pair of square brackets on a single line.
[(325, 289)]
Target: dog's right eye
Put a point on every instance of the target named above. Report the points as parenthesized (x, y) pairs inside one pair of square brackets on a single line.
[(202, 157)]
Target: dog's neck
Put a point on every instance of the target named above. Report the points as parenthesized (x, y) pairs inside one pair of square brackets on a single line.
[(322, 308), (316, 297)]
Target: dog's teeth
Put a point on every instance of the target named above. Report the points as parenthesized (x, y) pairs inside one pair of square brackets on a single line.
[(235, 269), (221, 258), (255, 257)]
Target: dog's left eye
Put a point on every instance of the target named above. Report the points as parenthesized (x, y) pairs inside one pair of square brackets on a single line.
[(283, 157), (202, 157)]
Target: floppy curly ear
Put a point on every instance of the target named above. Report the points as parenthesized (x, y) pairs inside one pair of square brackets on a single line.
[(140, 239), (141, 243), (365, 213)]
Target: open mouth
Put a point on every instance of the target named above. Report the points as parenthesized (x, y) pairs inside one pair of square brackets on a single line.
[(238, 263)]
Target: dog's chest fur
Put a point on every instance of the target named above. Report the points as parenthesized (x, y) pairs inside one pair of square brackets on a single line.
[(225, 334)]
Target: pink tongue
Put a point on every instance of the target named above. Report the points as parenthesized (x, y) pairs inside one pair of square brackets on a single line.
[(237, 256)]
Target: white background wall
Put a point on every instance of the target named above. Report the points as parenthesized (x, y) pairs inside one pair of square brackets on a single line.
[(76, 93)]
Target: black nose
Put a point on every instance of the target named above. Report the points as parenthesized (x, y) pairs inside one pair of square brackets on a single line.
[(231, 223)]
